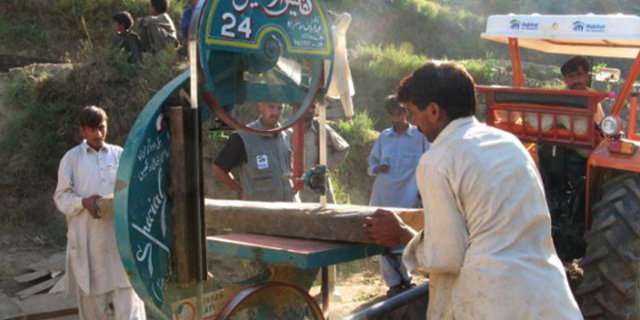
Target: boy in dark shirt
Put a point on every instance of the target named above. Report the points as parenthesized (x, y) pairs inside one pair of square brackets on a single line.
[(124, 38)]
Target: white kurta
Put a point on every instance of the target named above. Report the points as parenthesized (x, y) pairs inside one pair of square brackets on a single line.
[(93, 261), (341, 85), (487, 239)]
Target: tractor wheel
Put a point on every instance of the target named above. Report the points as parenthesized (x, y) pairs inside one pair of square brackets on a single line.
[(609, 289)]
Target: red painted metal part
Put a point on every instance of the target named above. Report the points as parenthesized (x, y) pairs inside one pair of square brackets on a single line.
[(234, 304), (628, 85), (516, 115), (516, 63), (298, 155), (633, 115)]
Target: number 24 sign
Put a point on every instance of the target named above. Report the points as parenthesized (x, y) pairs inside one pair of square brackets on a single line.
[(241, 24)]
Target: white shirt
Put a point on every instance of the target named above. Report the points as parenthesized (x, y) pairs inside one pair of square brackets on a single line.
[(93, 261), (487, 238)]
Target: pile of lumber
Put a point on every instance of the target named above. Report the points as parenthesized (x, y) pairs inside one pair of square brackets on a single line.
[(43, 294)]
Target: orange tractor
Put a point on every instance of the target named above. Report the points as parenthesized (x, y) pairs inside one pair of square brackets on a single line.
[(590, 168)]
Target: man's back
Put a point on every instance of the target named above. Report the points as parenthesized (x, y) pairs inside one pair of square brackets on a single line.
[(485, 204), (156, 32)]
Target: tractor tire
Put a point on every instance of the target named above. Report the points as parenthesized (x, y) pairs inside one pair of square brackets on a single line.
[(610, 287)]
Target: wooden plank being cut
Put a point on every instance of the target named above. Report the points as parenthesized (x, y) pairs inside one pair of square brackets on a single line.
[(299, 220), (34, 275), (42, 286)]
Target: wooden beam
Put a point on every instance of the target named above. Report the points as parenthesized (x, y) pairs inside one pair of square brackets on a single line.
[(185, 194), (301, 220), (42, 286), (34, 275)]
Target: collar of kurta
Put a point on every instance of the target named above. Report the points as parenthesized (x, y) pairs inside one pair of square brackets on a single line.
[(87, 148), (453, 126), (408, 132)]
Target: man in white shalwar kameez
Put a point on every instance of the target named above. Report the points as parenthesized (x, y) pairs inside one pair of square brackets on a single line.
[(94, 270), (486, 242)]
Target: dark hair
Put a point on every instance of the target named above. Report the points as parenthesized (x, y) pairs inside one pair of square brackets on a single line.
[(572, 65), (92, 116), (123, 18), (447, 84), (161, 5), (391, 104)]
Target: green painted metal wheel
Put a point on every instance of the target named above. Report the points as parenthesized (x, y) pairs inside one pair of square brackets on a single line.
[(262, 51)]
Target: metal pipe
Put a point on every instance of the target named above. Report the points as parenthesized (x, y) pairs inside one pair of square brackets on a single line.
[(516, 63), (322, 132), (195, 152), (381, 308), (628, 85)]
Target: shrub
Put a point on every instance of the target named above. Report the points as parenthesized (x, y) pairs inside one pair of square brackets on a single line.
[(352, 183)]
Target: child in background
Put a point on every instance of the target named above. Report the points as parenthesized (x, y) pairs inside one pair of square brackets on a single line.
[(124, 38), (157, 30)]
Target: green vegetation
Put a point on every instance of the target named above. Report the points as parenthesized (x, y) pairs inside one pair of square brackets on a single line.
[(352, 174), (44, 103)]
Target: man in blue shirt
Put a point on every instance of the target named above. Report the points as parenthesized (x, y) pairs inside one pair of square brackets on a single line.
[(393, 160), (186, 18)]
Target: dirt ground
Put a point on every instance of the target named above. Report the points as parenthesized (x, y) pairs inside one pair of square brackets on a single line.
[(357, 291)]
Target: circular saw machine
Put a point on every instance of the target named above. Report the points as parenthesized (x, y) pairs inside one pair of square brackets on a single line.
[(242, 52)]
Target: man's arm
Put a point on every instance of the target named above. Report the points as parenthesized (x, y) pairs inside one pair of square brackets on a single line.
[(66, 199), (227, 178), (231, 155), (446, 235), (135, 48), (386, 228), (374, 159)]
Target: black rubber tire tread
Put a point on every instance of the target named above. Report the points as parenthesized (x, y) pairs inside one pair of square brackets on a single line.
[(610, 288)]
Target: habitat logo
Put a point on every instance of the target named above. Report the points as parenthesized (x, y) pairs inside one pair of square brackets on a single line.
[(516, 24), (579, 26)]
